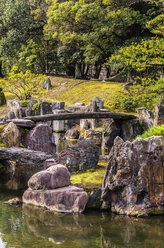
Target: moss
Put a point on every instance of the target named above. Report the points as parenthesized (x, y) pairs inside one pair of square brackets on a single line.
[(75, 91), (2, 144), (25, 103), (156, 212), (89, 177), (154, 131), (35, 107)]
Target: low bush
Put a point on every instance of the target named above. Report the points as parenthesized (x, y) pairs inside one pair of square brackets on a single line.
[(154, 131), (128, 103)]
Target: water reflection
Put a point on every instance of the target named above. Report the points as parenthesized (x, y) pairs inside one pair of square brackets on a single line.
[(39, 228), (95, 229)]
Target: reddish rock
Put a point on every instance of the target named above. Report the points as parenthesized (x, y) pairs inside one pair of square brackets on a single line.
[(67, 199), (40, 138), (134, 181), (72, 133), (54, 177)]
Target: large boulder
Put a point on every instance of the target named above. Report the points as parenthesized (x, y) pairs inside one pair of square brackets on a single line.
[(19, 164), (134, 180), (11, 136), (57, 105), (47, 84), (99, 102), (131, 128), (44, 108), (110, 132), (66, 199), (72, 133), (146, 118), (40, 138), (82, 156), (56, 176), (30, 111), (96, 136)]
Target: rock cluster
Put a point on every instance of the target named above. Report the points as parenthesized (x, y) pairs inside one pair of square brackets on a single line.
[(51, 189), (134, 181), (82, 156)]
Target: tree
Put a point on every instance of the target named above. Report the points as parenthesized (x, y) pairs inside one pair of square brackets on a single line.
[(15, 22), (23, 85), (95, 29)]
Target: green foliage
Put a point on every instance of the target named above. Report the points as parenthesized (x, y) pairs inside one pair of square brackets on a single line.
[(23, 85), (154, 131), (25, 103), (35, 107), (128, 103), (141, 56), (147, 92)]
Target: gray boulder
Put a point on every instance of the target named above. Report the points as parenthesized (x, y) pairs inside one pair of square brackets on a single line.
[(56, 176), (40, 138), (146, 118), (66, 199), (57, 105), (15, 106), (99, 102), (47, 84), (82, 156), (44, 108), (133, 183), (96, 136), (94, 201), (131, 128)]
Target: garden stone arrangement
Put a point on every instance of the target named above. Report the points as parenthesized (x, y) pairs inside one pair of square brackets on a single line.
[(29, 153)]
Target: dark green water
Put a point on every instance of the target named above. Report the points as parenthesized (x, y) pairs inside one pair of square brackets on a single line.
[(28, 227)]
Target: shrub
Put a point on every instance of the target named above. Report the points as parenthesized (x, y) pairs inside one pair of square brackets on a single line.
[(25, 103), (154, 131), (23, 85), (128, 103)]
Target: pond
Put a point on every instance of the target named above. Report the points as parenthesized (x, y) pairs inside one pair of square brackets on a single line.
[(32, 227)]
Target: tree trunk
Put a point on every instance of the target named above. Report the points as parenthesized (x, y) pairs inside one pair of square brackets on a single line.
[(129, 76), (1, 74), (86, 71), (97, 71), (78, 71)]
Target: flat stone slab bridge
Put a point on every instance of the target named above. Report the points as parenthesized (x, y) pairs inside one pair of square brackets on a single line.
[(30, 121), (81, 115)]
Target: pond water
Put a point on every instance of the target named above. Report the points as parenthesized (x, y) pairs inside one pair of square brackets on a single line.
[(30, 227)]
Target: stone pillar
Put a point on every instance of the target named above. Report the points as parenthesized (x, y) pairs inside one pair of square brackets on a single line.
[(59, 125)]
